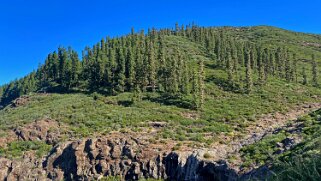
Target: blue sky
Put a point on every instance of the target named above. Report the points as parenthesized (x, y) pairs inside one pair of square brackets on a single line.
[(31, 29)]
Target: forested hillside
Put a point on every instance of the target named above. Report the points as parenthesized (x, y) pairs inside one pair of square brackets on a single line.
[(161, 103), (151, 61)]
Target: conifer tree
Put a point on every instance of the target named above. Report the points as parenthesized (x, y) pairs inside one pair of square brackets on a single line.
[(130, 69), (287, 67), (304, 76), (201, 84), (62, 54), (75, 69), (195, 89), (162, 64), (185, 78), (111, 66), (266, 65), (151, 66), (295, 71), (260, 65), (55, 71), (120, 70), (229, 68), (314, 72), (234, 58), (279, 62), (139, 76), (272, 63), (249, 83), (173, 76), (96, 69), (67, 79)]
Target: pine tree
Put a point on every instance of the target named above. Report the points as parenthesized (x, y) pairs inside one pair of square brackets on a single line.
[(67, 79), (111, 70), (55, 71), (272, 63), (260, 64), (304, 76), (295, 71), (201, 84), (176, 29), (173, 76), (96, 69), (139, 76), (62, 54), (185, 78), (279, 62), (151, 66), (229, 68), (130, 69), (249, 83), (287, 67), (195, 89), (314, 72), (234, 60), (266, 65), (75, 69), (120, 73), (162, 64), (180, 70)]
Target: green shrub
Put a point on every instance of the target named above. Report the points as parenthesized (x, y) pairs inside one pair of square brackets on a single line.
[(298, 168), (17, 148), (207, 156)]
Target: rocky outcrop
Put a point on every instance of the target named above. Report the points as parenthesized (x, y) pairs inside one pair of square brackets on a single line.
[(41, 130), (92, 159), (23, 100), (28, 168), (95, 158)]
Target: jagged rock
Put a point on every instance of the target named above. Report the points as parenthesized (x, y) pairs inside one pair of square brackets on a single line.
[(288, 142), (5, 167), (29, 168), (45, 130), (83, 160), (158, 124), (20, 101)]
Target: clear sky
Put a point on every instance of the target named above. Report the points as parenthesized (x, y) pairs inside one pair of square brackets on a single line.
[(30, 29)]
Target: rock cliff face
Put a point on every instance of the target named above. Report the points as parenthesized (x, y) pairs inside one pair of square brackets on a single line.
[(92, 159)]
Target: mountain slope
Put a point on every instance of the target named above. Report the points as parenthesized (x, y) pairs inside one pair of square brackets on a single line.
[(164, 120)]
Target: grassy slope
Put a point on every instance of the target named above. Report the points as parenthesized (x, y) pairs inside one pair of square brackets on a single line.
[(225, 111), (300, 163)]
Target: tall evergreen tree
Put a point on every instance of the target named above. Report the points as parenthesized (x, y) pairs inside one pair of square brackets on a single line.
[(162, 64), (195, 89), (75, 69), (249, 83), (229, 68), (130, 69), (295, 71), (201, 84), (260, 65), (151, 66), (288, 69), (304, 76), (185, 78), (314, 72), (111, 70), (173, 76), (120, 73)]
